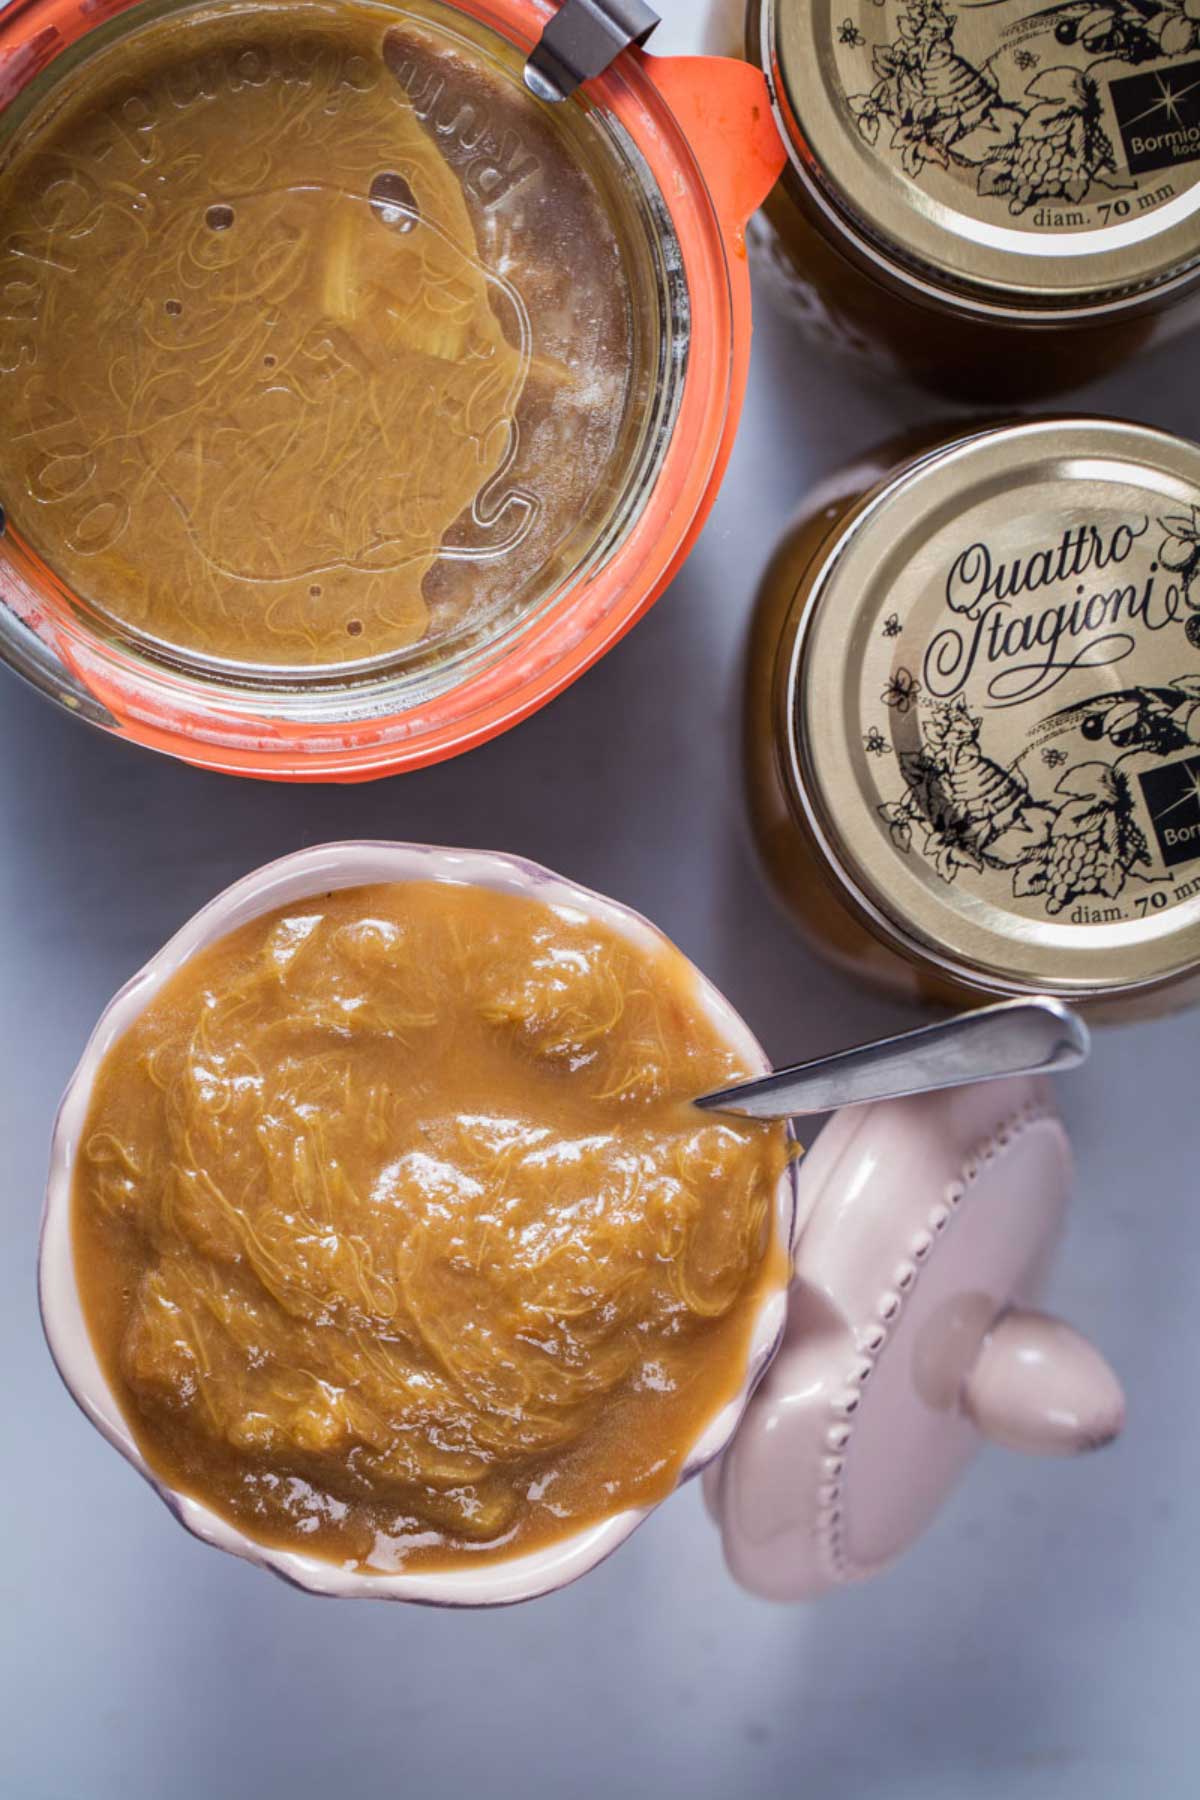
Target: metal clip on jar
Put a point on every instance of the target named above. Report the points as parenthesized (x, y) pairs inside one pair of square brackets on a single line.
[(974, 717), (998, 201), (452, 597)]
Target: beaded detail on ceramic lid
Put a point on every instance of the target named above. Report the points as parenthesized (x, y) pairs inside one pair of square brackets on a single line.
[(930, 1225), (993, 708), (1039, 156)]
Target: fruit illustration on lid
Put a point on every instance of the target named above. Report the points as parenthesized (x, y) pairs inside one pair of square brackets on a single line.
[(1060, 146)]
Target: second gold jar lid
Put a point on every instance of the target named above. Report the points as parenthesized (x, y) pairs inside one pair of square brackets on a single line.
[(1041, 157), (992, 708)]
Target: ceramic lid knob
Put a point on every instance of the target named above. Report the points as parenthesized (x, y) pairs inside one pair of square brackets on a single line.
[(928, 1227), (1040, 1387)]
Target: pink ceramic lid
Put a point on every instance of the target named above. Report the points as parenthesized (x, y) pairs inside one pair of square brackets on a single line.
[(929, 1227)]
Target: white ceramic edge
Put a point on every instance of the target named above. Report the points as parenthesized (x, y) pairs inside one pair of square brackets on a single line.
[(302, 875)]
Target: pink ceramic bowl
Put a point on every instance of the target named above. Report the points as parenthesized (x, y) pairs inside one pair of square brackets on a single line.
[(296, 878)]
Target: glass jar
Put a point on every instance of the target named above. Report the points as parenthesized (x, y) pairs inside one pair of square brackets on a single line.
[(973, 721), (467, 423), (996, 201)]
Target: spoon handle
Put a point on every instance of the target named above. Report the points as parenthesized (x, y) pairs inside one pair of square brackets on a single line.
[(1019, 1037)]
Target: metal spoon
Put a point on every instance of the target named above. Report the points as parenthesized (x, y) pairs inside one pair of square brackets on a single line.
[(1019, 1037)]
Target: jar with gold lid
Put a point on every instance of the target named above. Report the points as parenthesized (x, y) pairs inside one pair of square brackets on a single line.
[(974, 716), (999, 201)]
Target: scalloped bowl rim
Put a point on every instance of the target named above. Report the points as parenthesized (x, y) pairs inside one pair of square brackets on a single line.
[(292, 878)]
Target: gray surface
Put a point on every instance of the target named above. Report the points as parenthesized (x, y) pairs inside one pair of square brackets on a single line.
[(1040, 1642)]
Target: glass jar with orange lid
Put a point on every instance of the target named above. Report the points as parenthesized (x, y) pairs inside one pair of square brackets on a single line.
[(973, 723), (366, 370), (997, 201)]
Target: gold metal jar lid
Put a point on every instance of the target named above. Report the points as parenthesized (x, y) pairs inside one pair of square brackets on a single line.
[(1021, 155), (993, 708)]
